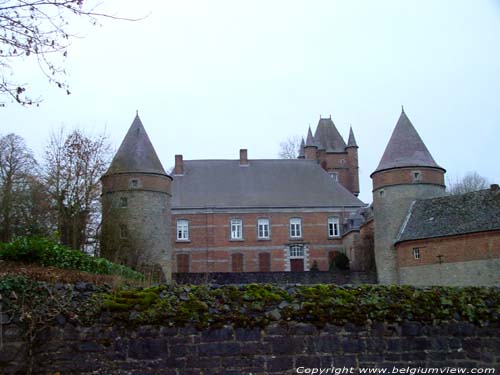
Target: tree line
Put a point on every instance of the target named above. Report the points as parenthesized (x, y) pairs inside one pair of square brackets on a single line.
[(58, 195)]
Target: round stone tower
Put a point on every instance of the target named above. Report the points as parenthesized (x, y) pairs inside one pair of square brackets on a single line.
[(136, 208), (406, 172)]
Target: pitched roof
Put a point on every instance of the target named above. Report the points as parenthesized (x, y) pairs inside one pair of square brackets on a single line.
[(406, 148), (328, 137), (452, 215), (278, 183), (136, 153), (352, 141)]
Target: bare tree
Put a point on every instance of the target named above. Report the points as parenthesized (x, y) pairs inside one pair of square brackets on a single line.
[(289, 148), (21, 192), (39, 30), (472, 181), (74, 165)]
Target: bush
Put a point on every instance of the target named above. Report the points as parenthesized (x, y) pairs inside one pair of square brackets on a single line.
[(47, 252)]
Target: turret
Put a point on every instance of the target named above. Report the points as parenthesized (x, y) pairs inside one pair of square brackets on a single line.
[(352, 162), (406, 172), (310, 149), (136, 204)]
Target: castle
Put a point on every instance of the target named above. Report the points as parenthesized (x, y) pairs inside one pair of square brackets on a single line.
[(249, 215)]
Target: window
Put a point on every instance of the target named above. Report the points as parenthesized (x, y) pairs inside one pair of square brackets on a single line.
[(416, 252), (123, 202), (295, 228), (123, 231), (182, 263), (381, 193), (263, 229), (182, 230), (333, 227), (236, 229), (237, 262), (416, 176), (134, 183), (296, 251), (264, 262), (334, 176)]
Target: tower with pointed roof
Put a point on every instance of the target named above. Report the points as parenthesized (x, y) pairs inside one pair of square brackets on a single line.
[(136, 206), (406, 172), (329, 149)]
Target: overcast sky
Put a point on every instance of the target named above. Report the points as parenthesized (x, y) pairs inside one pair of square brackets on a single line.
[(211, 77)]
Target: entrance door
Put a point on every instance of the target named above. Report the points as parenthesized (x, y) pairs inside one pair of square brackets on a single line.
[(297, 265)]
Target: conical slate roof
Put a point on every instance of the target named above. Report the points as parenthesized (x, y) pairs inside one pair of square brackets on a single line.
[(352, 141), (310, 139), (301, 148), (328, 137), (136, 153), (406, 148)]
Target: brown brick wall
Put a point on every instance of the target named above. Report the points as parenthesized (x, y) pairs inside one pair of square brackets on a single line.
[(462, 248), (211, 248), (122, 182), (406, 176)]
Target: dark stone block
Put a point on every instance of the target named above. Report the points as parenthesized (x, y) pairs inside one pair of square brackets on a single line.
[(328, 344), (168, 331), (219, 334), (394, 345), (440, 343), (287, 345), (364, 359), (487, 357), (465, 329), (240, 362), (147, 348), (277, 329), (247, 334), (279, 364), (471, 344), (219, 349), (413, 356), (182, 350), (375, 345), (308, 361), (302, 329), (344, 361), (203, 363), (90, 347), (411, 329), (353, 346), (378, 329), (390, 357), (454, 343)]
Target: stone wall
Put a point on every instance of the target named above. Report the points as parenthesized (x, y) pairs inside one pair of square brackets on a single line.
[(281, 278), (281, 348)]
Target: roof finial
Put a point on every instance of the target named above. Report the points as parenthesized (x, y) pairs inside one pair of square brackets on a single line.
[(330, 116), (402, 109)]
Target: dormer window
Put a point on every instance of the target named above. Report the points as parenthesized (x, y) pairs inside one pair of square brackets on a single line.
[(334, 176)]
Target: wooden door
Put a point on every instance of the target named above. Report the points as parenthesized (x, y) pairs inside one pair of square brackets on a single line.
[(182, 263), (237, 262), (297, 265), (264, 262)]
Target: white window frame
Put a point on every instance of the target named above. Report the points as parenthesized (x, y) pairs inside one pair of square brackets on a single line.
[(297, 251), (236, 229), (263, 229), (333, 227), (295, 227), (416, 253), (182, 230), (334, 176)]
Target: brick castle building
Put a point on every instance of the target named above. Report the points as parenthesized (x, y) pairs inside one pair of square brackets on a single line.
[(249, 215)]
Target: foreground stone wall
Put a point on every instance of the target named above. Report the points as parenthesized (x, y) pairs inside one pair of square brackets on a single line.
[(281, 348), (281, 278)]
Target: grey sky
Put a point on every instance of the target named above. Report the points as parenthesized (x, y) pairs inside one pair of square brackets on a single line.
[(211, 77)]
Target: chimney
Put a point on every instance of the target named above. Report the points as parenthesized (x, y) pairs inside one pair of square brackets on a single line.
[(243, 157), (179, 166), (494, 187)]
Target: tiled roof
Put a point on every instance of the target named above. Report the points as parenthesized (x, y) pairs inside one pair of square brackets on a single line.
[(263, 183), (405, 148), (328, 137), (301, 148), (310, 139), (452, 215), (136, 153)]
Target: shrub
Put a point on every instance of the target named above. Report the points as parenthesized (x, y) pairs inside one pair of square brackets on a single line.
[(47, 252)]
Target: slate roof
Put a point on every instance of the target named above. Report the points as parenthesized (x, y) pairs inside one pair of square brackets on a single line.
[(452, 215), (352, 141), (301, 148), (310, 139), (278, 183), (136, 153), (406, 148), (328, 137)]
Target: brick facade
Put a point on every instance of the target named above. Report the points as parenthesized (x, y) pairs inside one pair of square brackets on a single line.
[(211, 249)]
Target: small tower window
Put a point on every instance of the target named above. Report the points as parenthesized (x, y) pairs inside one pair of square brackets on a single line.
[(342, 161), (416, 176), (123, 231), (416, 253), (123, 202), (134, 183), (381, 193)]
